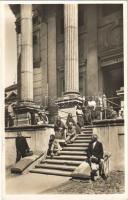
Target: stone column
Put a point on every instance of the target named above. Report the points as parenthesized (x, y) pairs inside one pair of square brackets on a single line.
[(52, 78), (19, 65), (92, 70), (26, 53), (71, 48), (18, 45), (18, 31)]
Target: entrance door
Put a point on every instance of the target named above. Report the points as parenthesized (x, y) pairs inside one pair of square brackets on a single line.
[(113, 79)]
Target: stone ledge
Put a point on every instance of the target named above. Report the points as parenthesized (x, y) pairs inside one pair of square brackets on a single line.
[(108, 122), (29, 127)]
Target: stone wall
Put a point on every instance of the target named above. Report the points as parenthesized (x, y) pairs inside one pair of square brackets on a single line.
[(37, 139), (112, 137)]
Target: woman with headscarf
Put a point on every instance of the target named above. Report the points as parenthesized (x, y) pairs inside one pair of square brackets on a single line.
[(70, 119)]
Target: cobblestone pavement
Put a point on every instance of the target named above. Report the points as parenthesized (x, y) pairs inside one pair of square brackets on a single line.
[(113, 184)]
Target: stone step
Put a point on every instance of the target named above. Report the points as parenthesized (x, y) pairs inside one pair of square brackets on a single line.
[(82, 153), (87, 128), (85, 135), (87, 131), (51, 172), (64, 162), (68, 157), (74, 148), (55, 166), (78, 144), (82, 141)]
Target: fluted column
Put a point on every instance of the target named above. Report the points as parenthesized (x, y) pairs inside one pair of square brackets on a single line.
[(92, 70), (26, 53), (71, 48), (18, 45), (18, 31)]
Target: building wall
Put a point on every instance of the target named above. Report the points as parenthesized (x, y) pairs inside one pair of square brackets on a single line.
[(38, 141), (100, 46), (110, 43), (112, 138)]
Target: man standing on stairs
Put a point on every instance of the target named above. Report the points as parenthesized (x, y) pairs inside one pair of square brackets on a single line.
[(95, 156)]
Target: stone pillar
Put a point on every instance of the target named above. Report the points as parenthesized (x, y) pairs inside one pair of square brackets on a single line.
[(71, 99), (52, 78), (18, 32), (18, 45), (26, 53), (52, 71), (92, 49), (71, 48), (44, 62)]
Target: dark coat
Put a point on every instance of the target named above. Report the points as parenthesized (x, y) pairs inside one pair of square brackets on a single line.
[(21, 145), (97, 151), (59, 125)]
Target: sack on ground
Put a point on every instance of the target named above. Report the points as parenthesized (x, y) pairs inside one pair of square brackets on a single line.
[(82, 171)]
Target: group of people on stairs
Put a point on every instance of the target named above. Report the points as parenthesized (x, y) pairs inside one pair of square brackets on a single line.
[(95, 152), (68, 131)]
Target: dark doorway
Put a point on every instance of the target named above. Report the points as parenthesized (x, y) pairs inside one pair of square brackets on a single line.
[(113, 80)]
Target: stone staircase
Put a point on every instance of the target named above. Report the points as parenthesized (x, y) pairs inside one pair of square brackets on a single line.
[(70, 157)]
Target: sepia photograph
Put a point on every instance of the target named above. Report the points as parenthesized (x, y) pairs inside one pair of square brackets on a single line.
[(64, 98)]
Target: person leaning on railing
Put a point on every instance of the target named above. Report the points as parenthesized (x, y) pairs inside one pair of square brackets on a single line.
[(111, 113)]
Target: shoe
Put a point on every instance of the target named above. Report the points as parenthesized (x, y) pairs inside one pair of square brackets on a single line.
[(52, 155), (92, 176), (65, 144), (104, 177), (57, 153)]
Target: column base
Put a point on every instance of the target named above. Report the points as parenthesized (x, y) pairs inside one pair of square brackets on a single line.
[(73, 94), (25, 113), (68, 104)]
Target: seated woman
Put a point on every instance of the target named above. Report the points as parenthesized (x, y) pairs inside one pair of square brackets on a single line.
[(71, 133), (54, 147), (59, 128), (70, 119)]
